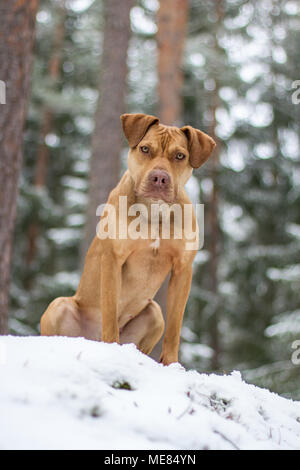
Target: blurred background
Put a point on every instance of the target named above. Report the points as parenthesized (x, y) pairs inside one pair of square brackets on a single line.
[(226, 67)]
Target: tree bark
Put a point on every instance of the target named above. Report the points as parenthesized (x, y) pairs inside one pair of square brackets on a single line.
[(42, 158), (107, 136), (171, 22), (17, 29)]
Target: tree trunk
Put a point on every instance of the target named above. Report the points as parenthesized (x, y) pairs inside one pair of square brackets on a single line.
[(172, 19), (42, 158), (107, 137), (16, 43)]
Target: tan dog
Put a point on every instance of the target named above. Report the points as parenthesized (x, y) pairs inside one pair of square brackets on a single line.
[(114, 300)]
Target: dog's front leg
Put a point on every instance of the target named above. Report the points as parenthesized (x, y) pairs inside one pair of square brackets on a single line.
[(110, 295), (178, 292)]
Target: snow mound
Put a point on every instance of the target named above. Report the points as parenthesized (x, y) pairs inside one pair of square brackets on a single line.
[(70, 393)]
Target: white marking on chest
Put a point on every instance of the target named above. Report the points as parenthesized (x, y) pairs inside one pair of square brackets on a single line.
[(155, 245)]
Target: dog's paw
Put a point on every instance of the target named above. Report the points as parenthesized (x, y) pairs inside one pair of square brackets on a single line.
[(167, 359)]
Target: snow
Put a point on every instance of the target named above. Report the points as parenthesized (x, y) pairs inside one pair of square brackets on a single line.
[(290, 273), (287, 323), (64, 236), (294, 229), (71, 393)]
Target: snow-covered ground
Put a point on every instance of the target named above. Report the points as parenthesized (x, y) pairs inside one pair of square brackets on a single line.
[(67, 393)]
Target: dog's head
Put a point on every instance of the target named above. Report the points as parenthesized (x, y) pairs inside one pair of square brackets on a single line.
[(161, 158)]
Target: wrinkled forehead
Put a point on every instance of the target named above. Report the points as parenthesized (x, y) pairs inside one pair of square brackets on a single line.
[(164, 137)]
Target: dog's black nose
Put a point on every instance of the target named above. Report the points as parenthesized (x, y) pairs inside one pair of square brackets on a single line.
[(159, 179)]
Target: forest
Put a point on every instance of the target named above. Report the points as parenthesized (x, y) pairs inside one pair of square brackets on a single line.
[(228, 67)]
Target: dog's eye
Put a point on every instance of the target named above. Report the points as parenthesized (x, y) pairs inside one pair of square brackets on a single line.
[(180, 156), (145, 149)]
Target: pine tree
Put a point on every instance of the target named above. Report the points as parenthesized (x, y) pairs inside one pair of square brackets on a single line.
[(42, 157)]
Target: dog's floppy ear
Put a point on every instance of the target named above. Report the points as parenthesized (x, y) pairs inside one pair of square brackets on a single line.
[(200, 145), (135, 126)]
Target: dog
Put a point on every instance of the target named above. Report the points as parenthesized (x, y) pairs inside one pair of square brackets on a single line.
[(122, 274)]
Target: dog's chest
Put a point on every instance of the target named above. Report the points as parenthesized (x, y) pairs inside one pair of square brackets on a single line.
[(147, 266)]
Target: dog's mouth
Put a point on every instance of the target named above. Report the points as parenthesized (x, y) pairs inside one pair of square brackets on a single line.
[(157, 196)]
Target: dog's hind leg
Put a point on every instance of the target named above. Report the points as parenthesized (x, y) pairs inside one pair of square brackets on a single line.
[(146, 329), (61, 318)]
